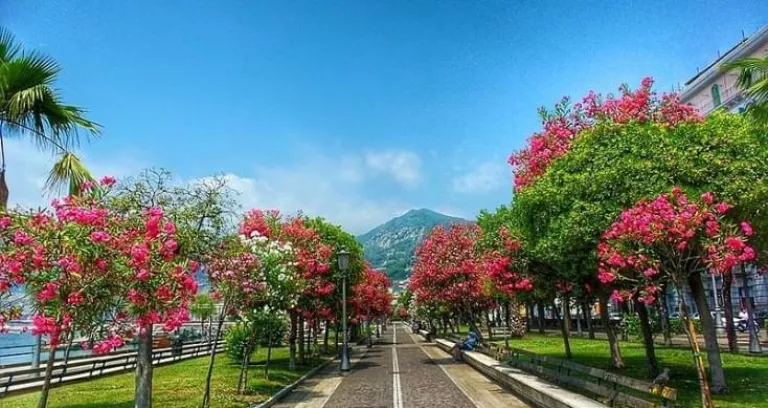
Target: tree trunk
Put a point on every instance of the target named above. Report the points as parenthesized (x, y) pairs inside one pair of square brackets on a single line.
[(616, 360), (540, 317), (529, 319), (143, 383), (508, 322), (336, 337), (269, 349), (292, 341), (302, 341), (210, 331), (624, 314), (67, 351), (488, 326), (730, 329), (716, 373), (209, 375), (578, 320), (645, 327), (565, 326), (556, 312), (325, 336), (586, 310), (690, 331), (664, 317), (42, 402), (242, 379)]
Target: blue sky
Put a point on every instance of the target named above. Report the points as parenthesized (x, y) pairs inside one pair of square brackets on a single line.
[(355, 110)]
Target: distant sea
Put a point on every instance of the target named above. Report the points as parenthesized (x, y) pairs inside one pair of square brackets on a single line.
[(17, 348)]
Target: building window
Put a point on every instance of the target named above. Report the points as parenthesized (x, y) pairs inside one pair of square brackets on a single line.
[(716, 95)]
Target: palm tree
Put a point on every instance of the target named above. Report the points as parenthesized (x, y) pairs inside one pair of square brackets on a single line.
[(753, 81), (30, 106)]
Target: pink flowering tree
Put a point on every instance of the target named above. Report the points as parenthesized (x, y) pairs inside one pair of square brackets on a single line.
[(502, 258), (93, 271), (371, 299), (312, 262), (237, 278), (566, 122), (448, 275), (157, 284), (63, 260), (672, 238)]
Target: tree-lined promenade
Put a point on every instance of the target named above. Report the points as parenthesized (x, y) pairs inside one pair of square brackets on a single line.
[(618, 198), (113, 262)]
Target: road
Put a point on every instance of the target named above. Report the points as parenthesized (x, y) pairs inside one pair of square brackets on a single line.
[(400, 371)]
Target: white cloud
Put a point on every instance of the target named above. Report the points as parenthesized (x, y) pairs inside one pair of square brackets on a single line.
[(318, 187), (483, 178), (403, 166), (27, 170)]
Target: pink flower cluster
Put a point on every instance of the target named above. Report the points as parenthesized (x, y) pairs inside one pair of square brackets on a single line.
[(671, 230), (110, 343), (566, 122), (77, 263)]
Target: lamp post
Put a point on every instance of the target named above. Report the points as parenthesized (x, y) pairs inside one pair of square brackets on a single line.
[(718, 311), (754, 341), (343, 257)]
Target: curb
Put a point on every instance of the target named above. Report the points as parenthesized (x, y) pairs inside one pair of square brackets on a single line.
[(290, 387)]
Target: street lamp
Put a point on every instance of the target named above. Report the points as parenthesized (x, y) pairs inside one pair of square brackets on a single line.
[(718, 311), (754, 341), (343, 257)]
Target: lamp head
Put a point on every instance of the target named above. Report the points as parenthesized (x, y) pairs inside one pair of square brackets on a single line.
[(343, 257)]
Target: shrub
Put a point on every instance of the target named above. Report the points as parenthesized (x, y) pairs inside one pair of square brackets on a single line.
[(676, 326), (237, 338)]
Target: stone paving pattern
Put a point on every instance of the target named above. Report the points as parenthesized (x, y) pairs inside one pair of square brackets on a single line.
[(428, 378)]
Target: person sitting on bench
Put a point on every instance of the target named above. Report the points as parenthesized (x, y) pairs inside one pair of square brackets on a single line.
[(467, 345)]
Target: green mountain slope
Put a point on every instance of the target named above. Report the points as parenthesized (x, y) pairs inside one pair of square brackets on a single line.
[(391, 246)]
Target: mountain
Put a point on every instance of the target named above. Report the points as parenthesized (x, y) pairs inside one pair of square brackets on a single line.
[(391, 245)]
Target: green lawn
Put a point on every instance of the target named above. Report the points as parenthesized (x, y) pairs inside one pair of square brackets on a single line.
[(747, 376), (177, 385)]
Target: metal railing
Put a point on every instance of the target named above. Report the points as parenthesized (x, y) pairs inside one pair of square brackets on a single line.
[(77, 369)]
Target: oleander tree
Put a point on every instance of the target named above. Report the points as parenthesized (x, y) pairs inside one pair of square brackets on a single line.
[(312, 262), (158, 285), (502, 257), (618, 160), (371, 299), (63, 260), (673, 238), (237, 278), (91, 270), (448, 275), (262, 230)]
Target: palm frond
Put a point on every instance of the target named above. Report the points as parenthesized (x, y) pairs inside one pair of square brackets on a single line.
[(9, 48), (29, 100), (68, 171), (759, 111)]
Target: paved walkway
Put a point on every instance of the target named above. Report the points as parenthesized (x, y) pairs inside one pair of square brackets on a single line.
[(400, 371)]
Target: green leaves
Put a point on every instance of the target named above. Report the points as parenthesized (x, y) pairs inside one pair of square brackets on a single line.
[(561, 216)]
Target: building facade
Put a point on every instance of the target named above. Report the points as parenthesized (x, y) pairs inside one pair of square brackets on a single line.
[(712, 89)]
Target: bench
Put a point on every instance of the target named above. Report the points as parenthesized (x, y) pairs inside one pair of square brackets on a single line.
[(535, 390), (609, 388)]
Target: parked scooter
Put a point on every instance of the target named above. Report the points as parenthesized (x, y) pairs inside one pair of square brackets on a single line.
[(740, 324)]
